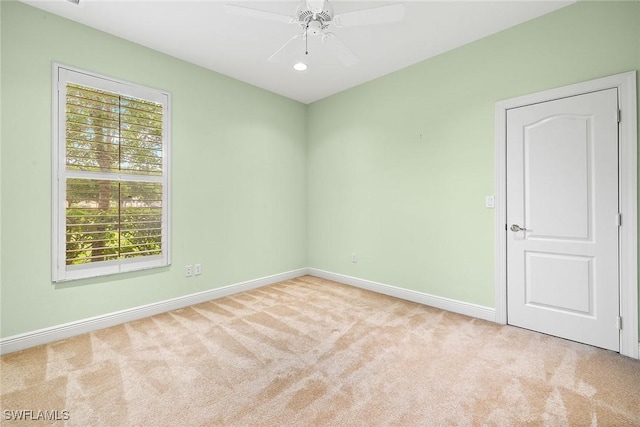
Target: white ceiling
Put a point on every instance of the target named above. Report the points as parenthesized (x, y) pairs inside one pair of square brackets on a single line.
[(201, 32)]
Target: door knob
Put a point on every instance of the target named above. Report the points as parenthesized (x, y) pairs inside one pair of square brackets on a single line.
[(516, 227)]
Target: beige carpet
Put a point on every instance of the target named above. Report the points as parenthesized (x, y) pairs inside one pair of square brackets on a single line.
[(313, 352)]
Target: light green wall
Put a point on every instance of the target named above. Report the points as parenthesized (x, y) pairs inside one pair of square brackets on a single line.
[(399, 167), (395, 170), (239, 174)]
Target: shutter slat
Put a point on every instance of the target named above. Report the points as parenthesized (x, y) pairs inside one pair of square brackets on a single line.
[(89, 92), (133, 131), (88, 119), (131, 114)]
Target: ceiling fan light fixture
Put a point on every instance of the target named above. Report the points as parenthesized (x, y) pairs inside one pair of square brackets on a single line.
[(314, 28), (300, 66)]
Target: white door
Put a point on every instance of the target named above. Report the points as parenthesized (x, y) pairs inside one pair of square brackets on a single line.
[(562, 218)]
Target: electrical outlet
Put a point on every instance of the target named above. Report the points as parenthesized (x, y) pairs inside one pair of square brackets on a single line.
[(188, 272), (354, 257), (198, 269)]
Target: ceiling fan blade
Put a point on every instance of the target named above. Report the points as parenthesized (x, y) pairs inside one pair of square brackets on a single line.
[(277, 56), (376, 15), (341, 50), (233, 9)]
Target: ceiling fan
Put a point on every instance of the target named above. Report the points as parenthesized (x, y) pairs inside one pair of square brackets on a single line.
[(316, 18)]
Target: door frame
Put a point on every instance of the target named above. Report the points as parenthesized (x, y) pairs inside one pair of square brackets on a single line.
[(628, 196)]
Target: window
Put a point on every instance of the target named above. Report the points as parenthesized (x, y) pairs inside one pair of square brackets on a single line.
[(110, 176)]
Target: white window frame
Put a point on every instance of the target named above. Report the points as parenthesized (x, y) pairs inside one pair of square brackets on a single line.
[(60, 270)]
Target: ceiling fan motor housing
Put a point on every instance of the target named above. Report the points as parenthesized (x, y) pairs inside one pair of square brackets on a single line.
[(315, 22)]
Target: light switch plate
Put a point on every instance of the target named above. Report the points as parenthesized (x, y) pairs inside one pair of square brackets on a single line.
[(489, 202)]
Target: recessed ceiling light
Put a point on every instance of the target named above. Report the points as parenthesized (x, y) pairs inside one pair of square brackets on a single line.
[(300, 66)]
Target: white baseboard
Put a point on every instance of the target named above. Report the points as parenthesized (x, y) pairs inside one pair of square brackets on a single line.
[(468, 309), (67, 330)]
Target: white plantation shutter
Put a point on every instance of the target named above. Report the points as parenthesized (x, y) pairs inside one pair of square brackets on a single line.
[(110, 132), (111, 176)]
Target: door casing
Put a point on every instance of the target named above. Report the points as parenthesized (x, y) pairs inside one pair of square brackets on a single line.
[(628, 197)]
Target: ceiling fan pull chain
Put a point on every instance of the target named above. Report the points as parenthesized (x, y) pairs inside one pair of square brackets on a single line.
[(306, 39)]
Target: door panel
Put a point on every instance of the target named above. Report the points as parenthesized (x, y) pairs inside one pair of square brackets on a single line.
[(557, 203), (562, 189), (559, 282)]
